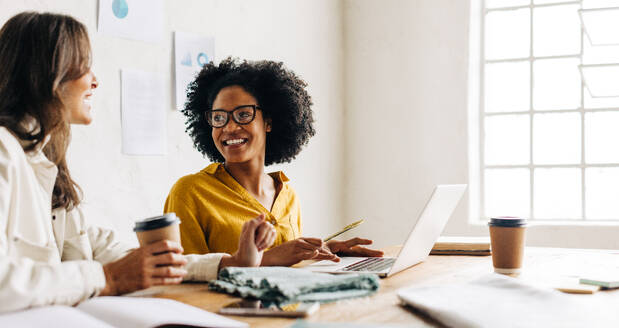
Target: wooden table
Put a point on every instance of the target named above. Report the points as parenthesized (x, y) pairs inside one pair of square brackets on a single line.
[(544, 264)]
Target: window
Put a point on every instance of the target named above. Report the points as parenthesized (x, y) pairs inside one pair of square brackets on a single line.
[(549, 110)]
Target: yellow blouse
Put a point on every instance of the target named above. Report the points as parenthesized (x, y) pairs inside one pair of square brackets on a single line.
[(212, 207)]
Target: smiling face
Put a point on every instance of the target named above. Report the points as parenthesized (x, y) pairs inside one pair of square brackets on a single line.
[(76, 96), (240, 143)]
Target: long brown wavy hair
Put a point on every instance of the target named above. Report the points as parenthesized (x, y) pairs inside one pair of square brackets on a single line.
[(39, 52)]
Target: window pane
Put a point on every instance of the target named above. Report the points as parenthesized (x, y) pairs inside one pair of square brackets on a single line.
[(507, 87), (602, 137), (601, 81), (506, 3), (557, 194), (556, 84), (599, 54), (507, 139), (602, 193), (600, 102), (599, 3), (601, 25), (507, 192), (556, 138), (507, 34), (539, 2), (556, 31)]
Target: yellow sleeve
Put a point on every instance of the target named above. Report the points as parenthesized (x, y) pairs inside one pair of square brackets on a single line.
[(192, 234), (299, 224)]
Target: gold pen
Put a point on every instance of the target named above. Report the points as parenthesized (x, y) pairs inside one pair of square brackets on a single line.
[(346, 228)]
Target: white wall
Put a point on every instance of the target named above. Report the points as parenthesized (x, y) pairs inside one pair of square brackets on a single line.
[(406, 74), (306, 35), (407, 101)]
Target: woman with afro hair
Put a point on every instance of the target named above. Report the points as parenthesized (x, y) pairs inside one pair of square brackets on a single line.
[(244, 116)]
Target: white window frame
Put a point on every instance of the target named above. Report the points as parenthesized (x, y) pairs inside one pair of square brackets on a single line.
[(579, 233)]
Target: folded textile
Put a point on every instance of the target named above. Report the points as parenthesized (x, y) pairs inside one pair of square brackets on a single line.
[(499, 301), (283, 285)]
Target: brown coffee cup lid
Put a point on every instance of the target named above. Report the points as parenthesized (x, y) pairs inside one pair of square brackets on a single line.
[(507, 221), (156, 222)]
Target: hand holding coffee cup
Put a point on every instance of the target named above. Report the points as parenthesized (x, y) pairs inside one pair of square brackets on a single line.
[(158, 261), (507, 238)]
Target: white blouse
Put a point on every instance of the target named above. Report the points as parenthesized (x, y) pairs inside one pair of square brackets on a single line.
[(54, 257)]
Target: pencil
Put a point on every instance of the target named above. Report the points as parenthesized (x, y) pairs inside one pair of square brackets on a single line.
[(346, 228)]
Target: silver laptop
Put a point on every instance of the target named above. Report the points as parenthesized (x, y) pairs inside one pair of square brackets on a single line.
[(418, 245)]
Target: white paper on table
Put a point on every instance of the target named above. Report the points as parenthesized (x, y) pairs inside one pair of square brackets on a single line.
[(134, 312), (494, 300), (118, 312), (132, 19), (57, 316), (143, 113), (191, 52)]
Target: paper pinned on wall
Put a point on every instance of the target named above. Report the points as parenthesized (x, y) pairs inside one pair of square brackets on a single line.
[(132, 19), (191, 52), (143, 113)]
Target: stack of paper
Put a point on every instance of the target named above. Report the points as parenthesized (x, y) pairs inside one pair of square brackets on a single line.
[(461, 246)]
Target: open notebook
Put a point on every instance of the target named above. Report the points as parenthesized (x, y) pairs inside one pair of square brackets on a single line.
[(495, 300), (119, 312)]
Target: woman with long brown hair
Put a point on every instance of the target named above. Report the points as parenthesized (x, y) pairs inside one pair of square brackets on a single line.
[(48, 254)]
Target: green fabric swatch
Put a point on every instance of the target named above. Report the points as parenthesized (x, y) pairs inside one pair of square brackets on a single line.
[(284, 285)]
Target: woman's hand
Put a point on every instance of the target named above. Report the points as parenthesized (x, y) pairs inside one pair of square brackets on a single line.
[(256, 236), (295, 251), (351, 248), (160, 263)]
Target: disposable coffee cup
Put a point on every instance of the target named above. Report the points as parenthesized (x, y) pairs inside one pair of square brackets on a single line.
[(162, 227), (507, 238)]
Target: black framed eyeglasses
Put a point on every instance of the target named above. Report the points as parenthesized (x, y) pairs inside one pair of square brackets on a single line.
[(244, 114)]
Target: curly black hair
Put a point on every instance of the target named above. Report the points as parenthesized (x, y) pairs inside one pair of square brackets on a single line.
[(280, 94)]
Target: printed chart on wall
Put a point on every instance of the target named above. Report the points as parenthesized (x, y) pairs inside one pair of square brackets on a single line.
[(132, 19), (142, 113), (191, 52)]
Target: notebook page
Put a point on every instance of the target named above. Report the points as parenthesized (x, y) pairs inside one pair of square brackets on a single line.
[(51, 317), (137, 312)]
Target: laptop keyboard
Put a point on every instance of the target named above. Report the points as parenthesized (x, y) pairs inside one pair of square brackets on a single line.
[(372, 264)]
